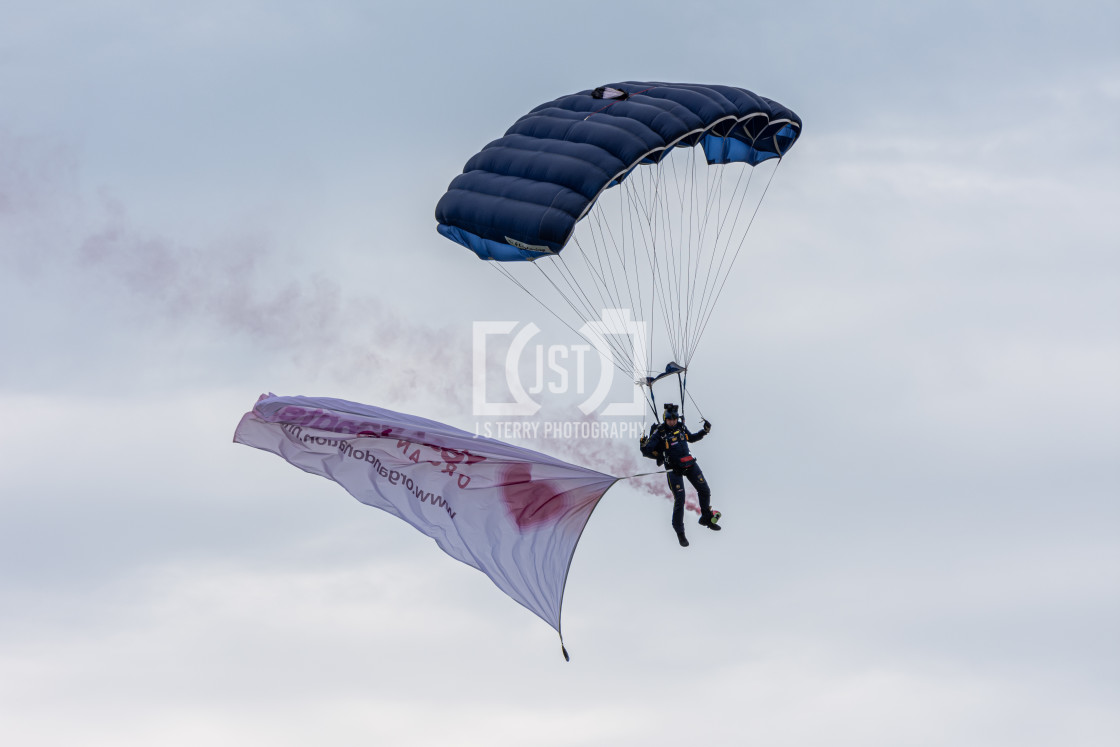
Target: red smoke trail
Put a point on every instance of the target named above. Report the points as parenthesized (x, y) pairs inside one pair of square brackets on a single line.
[(357, 340), (47, 229)]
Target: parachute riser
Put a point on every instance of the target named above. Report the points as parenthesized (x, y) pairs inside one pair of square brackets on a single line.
[(680, 384)]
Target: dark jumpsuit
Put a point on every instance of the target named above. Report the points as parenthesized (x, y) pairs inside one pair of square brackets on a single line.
[(671, 445)]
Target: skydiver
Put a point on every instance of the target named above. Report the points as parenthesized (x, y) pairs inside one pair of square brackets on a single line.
[(668, 444)]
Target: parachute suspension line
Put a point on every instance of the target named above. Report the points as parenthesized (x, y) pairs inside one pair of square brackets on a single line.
[(599, 274), (617, 352), (665, 259), (666, 253), (608, 253), (700, 185), (576, 292), (591, 314), (643, 206), (604, 227), (716, 177), (682, 256), (683, 238), (608, 292), (629, 216), (695, 260), (689, 395), (656, 299), (619, 245), (564, 267), (603, 276), (641, 198), (612, 292), (620, 252), (750, 223), (629, 208), (687, 196), (721, 220), (633, 244), (714, 271), (715, 198), (692, 247), (599, 242), (509, 276), (711, 197), (709, 192), (661, 255)]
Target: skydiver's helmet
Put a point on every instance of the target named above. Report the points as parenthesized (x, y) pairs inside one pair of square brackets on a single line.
[(670, 412)]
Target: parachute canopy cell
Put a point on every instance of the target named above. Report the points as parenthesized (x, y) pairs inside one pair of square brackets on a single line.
[(522, 195)]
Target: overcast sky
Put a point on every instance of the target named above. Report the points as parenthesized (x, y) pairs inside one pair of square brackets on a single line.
[(916, 441)]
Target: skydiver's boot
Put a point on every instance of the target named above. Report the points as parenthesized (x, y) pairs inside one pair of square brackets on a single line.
[(710, 520), (681, 538)]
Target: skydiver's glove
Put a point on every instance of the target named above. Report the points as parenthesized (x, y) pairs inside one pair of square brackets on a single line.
[(707, 426)]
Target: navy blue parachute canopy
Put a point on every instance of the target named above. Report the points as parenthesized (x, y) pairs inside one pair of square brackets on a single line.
[(521, 196)]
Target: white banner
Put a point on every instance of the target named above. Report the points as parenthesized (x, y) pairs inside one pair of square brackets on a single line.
[(514, 514)]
